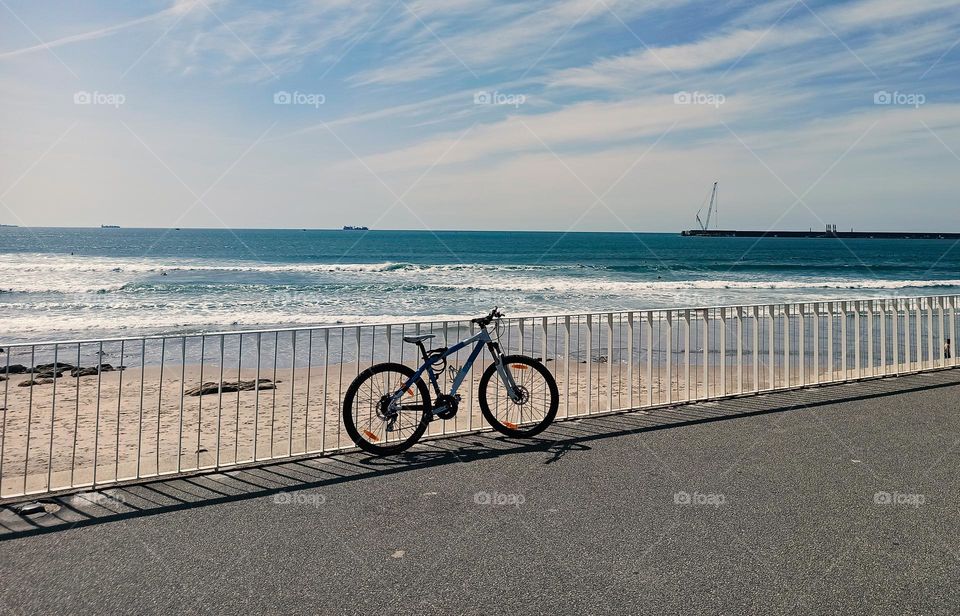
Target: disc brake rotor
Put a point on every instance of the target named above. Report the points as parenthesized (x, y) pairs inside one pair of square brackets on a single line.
[(524, 395)]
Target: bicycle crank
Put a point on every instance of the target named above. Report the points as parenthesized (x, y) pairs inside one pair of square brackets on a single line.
[(445, 406)]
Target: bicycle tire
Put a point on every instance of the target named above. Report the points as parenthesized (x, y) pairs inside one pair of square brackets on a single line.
[(516, 429), (366, 441)]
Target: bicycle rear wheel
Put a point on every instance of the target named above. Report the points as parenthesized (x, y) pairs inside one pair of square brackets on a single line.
[(372, 423), (538, 403)]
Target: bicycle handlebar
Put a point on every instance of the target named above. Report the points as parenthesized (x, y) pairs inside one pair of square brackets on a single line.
[(484, 321)]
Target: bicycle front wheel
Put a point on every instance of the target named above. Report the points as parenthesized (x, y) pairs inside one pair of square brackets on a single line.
[(536, 407), (373, 423)]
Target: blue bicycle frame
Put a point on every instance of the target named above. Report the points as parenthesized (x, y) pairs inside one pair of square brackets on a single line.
[(481, 339)]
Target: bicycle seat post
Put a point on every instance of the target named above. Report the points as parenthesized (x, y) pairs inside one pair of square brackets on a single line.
[(423, 351)]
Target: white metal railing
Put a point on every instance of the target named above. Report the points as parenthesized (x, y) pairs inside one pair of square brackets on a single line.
[(91, 427)]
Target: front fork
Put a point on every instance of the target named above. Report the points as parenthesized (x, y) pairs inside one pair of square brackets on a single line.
[(506, 377)]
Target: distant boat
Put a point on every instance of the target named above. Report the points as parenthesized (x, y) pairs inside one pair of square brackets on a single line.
[(351, 228), (109, 226)]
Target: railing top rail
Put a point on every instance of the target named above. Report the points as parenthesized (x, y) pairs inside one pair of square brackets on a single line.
[(463, 319)]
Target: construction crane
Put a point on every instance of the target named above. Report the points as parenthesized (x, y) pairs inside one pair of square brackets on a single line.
[(714, 206)]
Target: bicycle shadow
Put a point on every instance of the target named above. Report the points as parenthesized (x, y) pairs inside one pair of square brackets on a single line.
[(564, 438)]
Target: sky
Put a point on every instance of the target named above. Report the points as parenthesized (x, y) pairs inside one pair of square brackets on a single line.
[(570, 115)]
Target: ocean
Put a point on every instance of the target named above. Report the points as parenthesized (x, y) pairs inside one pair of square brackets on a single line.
[(58, 283)]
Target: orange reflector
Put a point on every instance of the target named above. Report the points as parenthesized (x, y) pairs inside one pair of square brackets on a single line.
[(409, 391), (370, 435), (519, 366), (510, 425)]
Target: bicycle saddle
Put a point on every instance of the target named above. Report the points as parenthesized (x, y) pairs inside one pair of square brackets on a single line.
[(418, 339)]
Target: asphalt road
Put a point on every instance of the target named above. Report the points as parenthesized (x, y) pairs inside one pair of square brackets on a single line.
[(840, 500)]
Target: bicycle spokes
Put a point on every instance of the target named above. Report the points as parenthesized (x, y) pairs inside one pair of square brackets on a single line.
[(383, 409)]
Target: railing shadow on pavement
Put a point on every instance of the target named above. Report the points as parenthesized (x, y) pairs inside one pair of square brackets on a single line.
[(58, 513)]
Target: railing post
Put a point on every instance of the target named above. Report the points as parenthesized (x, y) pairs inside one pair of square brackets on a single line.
[(771, 342), (940, 311), (589, 363), (53, 418), (219, 399), (858, 365), (870, 337), (918, 339), (786, 345), (882, 307), (894, 311), (739, 349), (609, 361), (844, 338), (929, 302), (801, 342), (830, 353), (723, 351), (756, 348), (544, 350), (650, 350), (293, 385), (953, 329), (630, 357), (183, 371), (706, 353), (566, 370), (907, 348), (688, 337), (669, 317), (326, 385), (816, 343)]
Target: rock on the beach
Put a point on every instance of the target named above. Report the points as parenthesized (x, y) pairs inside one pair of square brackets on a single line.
[(92, 370), (229, 387), (50, 373), (31, 383), (88, 371), (57, 366)]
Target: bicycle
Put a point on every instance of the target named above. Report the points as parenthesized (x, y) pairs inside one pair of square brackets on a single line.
[(388, 407)]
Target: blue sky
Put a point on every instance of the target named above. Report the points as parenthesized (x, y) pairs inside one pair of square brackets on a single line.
[(565, 115)]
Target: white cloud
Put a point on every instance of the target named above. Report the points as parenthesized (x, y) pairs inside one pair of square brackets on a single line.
[(797, 30), (584, 125)]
